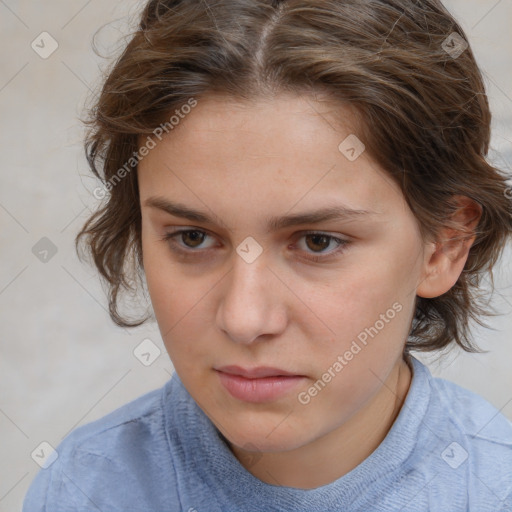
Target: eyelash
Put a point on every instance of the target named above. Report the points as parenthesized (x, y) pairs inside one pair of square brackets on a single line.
[(168, 237)]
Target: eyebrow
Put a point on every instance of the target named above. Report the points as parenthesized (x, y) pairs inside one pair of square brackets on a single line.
[(335, 212)]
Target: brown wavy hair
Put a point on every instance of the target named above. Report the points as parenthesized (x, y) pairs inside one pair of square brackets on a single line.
[(424, 118)]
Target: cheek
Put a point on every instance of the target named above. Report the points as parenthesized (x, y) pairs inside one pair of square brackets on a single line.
[(371, 326), (157, 277), (166, 288), (355, 299), (180, 305), (367, 311), (167, 285)]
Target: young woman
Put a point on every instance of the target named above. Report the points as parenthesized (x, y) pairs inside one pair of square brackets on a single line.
[(303, 188)]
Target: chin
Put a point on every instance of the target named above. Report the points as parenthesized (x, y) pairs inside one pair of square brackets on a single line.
[(264, 437)]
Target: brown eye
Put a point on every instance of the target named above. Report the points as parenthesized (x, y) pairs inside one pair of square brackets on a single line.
[(190, 242), (316, 244), (187, 240), (196, 238), (319, 242)]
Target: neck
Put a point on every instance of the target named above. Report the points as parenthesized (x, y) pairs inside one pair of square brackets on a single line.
[(335, 454)]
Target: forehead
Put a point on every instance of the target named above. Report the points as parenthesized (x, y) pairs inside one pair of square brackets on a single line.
[(291, 116), (284, 150)]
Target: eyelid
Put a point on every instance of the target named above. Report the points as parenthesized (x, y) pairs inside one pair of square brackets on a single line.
[(341, 242), (171, 235)]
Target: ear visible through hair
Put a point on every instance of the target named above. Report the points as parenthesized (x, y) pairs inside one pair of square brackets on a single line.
[(446, 257)]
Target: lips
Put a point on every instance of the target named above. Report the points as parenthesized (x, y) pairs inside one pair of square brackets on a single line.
[(256, 373), (257, 385)]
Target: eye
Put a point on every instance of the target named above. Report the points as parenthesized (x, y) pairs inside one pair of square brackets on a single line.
[(321, 241), (193, 238)]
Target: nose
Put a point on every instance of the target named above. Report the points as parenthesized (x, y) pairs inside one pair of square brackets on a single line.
[(252, 304)]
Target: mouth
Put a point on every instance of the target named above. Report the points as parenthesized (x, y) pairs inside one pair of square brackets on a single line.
[(257, 385)]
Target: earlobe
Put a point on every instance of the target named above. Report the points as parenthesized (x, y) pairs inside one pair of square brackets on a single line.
[(443, 269), (445, 258)]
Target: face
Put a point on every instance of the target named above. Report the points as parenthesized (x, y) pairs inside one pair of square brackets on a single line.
[(280, 325)]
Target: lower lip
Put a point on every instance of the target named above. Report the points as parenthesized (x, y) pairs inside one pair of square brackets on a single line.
[(258, 390)]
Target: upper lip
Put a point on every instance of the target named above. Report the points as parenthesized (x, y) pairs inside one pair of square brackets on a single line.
[(255, 373)]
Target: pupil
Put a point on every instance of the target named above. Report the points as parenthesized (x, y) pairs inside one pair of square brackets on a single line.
[(194, 235), (322, 237)]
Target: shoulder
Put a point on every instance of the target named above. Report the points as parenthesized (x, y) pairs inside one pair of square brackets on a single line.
[(109, 436), (109, 462), (472, 414), (470, 441), (136, 411)]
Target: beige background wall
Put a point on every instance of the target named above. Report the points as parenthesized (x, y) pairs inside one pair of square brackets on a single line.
[(63, 363)]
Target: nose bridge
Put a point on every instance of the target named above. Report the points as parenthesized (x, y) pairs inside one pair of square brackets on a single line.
[(249, 304)]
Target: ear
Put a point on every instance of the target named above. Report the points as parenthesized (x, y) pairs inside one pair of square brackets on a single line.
[(445, 258)]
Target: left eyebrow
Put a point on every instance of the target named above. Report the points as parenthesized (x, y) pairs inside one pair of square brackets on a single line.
[(329, 213), (336, 212)]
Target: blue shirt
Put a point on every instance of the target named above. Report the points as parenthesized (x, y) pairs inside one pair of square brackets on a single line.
[(448, 450)]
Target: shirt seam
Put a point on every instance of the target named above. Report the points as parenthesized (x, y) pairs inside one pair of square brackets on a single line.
[(87, 437), (165, 425), (453, 419)]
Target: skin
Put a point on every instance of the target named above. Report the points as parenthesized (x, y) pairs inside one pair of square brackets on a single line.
[(241, 162)]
